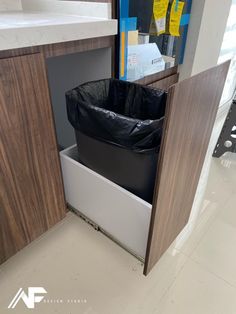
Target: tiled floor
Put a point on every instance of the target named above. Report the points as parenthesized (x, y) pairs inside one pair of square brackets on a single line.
[(196, 276)]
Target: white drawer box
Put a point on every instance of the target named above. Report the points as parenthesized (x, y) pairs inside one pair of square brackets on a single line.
[(119, 213)]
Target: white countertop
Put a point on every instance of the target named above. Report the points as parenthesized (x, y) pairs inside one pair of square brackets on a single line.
[(20, 29), (19, 19)]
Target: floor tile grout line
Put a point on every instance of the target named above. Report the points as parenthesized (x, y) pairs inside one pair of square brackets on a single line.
[(177, 275), (226, 203), (37, 240), (210, 226), (198, 244), (201, 237), (212, 273)]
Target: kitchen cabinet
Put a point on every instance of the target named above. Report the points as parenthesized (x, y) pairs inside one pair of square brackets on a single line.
[(192, 106), (147, 230), (31, 188)]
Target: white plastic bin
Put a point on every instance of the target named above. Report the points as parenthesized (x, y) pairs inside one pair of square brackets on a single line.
[(119, 213)]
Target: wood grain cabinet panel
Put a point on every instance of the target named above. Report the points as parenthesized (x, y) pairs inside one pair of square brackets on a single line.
[(191, 111), (154, 78), (166, 82), (31, 189)]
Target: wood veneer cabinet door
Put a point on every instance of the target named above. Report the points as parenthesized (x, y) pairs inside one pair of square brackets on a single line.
[(166, 82), (31, 189), (191, 111)]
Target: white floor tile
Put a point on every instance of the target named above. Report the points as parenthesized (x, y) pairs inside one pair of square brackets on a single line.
[(217, 250), (197, 275), (74, 261), (218, 191), (190, 237), (196, 291), (228, 214)]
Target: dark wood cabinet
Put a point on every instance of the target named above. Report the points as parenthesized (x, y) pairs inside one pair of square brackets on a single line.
[(147, 230), (190, 115), (165, 83), (31, 189)]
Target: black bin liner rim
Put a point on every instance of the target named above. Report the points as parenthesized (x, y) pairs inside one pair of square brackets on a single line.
[(111, 126)]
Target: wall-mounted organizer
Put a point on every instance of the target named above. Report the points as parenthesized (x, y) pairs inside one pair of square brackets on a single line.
[(152, 36), (147, 230)]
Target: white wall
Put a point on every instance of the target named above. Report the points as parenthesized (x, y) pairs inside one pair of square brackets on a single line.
[(10, 5), (206, 32), (228, 51)]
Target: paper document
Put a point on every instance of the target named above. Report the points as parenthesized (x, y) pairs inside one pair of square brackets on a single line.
[(144, 60)]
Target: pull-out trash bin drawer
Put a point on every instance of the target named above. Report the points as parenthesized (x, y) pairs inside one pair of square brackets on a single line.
[(144, 229), (119, 213), (118, 127)]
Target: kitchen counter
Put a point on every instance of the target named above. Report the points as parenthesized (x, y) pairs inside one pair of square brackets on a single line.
[(20, 29), (38, 38)]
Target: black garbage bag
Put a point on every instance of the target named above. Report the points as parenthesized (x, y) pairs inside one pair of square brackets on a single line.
[(118, 127)]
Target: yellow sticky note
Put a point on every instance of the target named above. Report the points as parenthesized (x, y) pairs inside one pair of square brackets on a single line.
[(175, 17), (158, 23)]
